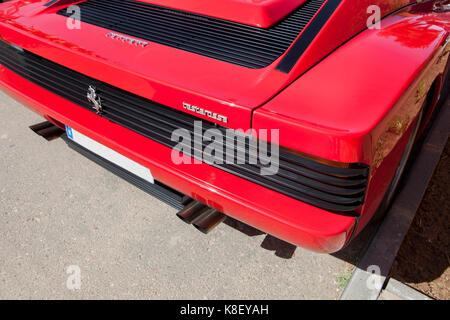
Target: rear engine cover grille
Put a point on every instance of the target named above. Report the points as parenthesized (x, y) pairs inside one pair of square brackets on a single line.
[(223, 40), (332, 188)]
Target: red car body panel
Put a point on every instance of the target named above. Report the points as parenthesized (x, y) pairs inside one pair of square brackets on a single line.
[(355, 125), (350, 116), (348, 20), (347, 100)]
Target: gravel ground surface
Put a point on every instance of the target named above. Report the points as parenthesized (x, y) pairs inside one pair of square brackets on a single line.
[(58, 209), (424, 258)]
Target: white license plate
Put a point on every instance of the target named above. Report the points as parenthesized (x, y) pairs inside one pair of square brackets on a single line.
[(110, 155)]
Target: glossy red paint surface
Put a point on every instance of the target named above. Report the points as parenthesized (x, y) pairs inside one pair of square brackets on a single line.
[(356, 105), (349, 19), (370, 104), (332, 110)]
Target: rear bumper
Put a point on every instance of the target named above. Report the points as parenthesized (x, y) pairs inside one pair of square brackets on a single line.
[(269, 211)]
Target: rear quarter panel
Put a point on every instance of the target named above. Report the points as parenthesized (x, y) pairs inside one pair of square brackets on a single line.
[(359, 104)]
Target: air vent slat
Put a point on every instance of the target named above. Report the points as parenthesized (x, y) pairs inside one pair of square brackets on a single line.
[(198, 26), (184, 33)]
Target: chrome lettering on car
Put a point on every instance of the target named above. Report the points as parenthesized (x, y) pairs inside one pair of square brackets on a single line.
[(94, 99), (130, 40), (207, 113)]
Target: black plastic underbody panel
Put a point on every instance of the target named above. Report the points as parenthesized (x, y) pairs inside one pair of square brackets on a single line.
[(329, 187), (232, 42)]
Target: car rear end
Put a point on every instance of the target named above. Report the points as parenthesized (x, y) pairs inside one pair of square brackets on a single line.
[(128, 74)]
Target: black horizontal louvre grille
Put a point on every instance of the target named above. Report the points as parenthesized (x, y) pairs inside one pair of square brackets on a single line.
[(223, 40), (328, 187)]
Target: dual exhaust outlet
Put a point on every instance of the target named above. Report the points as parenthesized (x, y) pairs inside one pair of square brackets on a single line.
[(47, 130), (202, 217)]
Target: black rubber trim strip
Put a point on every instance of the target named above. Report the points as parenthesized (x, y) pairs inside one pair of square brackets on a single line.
[(309, 34), (157, 190), (48, 4)]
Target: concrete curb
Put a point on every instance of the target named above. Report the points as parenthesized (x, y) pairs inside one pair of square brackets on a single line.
[(370, 275), (395, 290)]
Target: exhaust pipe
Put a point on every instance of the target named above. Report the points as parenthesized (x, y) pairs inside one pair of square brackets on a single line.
[(208, 222), (47, 130), (193, 211), (204, 218)]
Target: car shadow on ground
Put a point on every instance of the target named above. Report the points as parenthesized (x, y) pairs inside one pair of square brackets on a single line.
[(281, 248), (285, 250)]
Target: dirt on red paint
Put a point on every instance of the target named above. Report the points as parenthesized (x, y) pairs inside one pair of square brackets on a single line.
[(423, 260)]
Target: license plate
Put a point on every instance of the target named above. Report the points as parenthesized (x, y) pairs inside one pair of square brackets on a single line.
[(110, 155)]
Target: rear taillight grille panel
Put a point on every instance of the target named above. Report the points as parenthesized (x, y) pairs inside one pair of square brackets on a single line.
[(328, 187), (235, 43)]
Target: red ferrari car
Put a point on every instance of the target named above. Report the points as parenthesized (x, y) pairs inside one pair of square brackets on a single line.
[(315, 103)]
